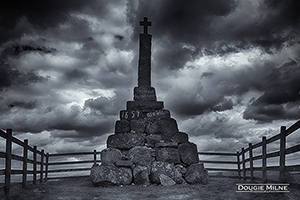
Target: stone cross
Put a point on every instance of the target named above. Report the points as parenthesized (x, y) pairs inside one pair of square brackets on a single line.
[(144, 68), (145, 23)]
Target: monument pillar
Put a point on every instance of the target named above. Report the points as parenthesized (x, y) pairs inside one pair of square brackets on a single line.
[(144, 68), (144, 94)]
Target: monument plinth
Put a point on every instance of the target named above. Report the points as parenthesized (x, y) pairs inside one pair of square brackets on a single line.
[(147, 147)]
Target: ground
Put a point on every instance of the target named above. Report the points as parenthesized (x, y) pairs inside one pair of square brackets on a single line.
[(82, 189)]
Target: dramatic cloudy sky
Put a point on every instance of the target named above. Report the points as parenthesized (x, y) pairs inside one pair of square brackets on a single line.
[(227, 70)]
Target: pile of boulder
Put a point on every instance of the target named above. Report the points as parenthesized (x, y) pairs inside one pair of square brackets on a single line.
[(147, 148)]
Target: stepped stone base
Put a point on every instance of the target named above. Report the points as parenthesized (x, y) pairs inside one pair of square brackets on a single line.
[(148, 148)]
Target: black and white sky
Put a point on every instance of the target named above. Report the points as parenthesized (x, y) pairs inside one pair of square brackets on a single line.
[(228, 71)]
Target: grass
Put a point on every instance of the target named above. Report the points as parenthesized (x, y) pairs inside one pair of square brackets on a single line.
[(81, 189)]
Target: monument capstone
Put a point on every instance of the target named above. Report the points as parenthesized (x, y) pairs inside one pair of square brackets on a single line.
[(147, 147)]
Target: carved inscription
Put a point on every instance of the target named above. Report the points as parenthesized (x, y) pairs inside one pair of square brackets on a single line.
[(158, 114), (144, 93), (130, 114)]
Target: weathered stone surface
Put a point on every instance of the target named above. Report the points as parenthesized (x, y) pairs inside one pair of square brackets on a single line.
[(110, 155), (141, 175), (122, 126), (179, 173), (165, 180), (125, 141), (105, 175), (188, 153), (138, 126), (196, 173), (166, 144), (140, 155), (144, 68), (180, 137), (167, 127), (152, 139), (167, 154), (159, 168), (123, 163), (145, 106)]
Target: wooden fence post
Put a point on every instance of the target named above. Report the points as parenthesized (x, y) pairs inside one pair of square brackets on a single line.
[(238, 163), (244, 164), (264, 159), (251, 161), (8, 162), (95, 157), (282, 153), (42, 166), (25, 157), (46, 170), (34, 164)]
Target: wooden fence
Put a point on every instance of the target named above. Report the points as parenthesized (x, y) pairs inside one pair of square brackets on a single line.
[(43, 162)]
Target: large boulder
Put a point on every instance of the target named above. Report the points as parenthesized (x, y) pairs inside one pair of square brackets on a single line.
[(110, 156), (152, 139), (165, 180), (106, 175), (180, 137), (158, 168), (138, 126), (188, 153), (122, 126), (196, 173), (141, 175), (125, 140), (167, 127), (140, 155), (167, 154)]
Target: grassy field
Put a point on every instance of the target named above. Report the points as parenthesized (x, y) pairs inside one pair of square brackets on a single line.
[(81, 188)]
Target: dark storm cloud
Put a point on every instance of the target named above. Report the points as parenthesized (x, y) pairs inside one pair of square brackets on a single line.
[(281, 97), (13, 77), (215, 27), (40, 14), (25, 105), (102, 104)]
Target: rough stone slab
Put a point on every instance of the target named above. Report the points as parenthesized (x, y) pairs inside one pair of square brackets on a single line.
[(180, 137), (110, 155), (165, 180), (188, 153), (166, 144), (158, 168), (140, 155), (123, 163), (167, 127), (196, 173), (141, 175), (138, 126), (106, 175), (145, 106), (125, 141), (167, 154), (122, 126)]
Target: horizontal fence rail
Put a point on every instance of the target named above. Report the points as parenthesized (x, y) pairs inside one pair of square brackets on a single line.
[(44, 161)]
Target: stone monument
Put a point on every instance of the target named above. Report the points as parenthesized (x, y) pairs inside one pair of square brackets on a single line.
[(147, 147)]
